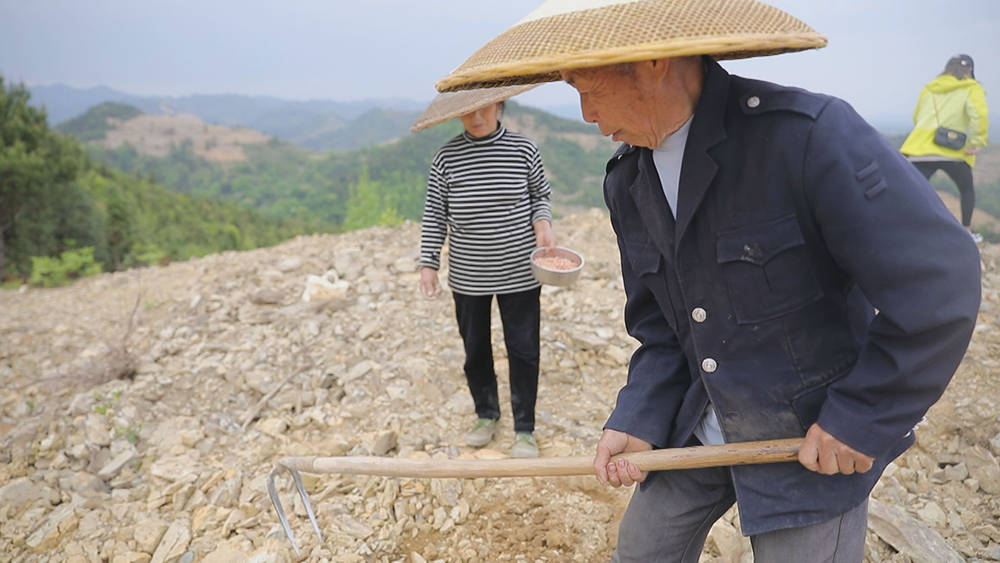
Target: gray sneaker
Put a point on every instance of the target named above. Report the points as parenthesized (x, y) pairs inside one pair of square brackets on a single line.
[(524, 445), (481, 432)]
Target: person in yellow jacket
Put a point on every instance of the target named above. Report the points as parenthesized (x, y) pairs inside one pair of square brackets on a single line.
[(954, 100)]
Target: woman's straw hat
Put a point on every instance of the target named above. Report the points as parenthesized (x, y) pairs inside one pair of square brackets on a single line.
[(569, 34), (450, 105)]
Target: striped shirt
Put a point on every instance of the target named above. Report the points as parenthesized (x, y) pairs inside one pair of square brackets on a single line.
[(484, 194)]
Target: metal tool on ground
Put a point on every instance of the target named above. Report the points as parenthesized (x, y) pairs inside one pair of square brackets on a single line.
[(741, 453)]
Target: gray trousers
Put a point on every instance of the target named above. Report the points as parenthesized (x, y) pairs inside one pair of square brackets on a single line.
[(669, 517)]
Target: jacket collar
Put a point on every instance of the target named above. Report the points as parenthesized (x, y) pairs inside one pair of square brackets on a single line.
[(647, 192), (698, 168)]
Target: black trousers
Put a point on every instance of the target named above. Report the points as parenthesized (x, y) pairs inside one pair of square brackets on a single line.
[(520, 314), (961, 173)]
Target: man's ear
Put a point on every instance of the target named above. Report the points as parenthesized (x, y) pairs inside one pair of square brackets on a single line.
[(653, 70)]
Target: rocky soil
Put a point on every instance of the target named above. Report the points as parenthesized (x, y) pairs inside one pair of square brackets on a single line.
[(169, 463)]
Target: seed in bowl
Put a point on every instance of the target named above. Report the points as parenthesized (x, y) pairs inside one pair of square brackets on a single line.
[(556, 263)]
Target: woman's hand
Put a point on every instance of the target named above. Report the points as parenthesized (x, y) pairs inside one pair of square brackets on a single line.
[(429, 285), (544, 237)]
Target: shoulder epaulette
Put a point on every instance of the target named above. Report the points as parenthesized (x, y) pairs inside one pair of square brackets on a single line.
[(762, 97)]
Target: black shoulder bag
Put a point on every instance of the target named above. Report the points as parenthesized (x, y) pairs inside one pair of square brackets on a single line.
[(944, 137)]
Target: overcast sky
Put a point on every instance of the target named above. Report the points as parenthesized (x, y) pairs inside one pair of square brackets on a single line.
[(880, 52)]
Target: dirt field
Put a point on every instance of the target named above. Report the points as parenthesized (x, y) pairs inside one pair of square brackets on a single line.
[(160, 467)]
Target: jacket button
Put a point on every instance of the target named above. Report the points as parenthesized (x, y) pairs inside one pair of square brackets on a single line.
[(753, 101), (708, 365), (699, 315)]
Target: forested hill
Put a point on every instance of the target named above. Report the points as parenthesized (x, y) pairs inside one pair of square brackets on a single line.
[(380, 184), (64, 215), (96, 122)]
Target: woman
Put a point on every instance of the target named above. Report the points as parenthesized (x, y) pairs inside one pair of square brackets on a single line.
[(956, 101), (487, 193)]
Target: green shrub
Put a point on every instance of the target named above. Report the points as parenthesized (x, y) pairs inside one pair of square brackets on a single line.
[(47, 271), (146, 254)]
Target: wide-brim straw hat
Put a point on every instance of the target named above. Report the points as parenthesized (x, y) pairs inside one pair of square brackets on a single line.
[(449, 105), (571, 34)]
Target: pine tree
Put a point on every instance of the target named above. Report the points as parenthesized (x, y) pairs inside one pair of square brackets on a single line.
[(36, 164)]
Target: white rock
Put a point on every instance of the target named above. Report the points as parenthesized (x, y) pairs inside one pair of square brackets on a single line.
[(98, 430), (984, 468), (20, 492), (225, 554), (228, 492), (359, 370), (273, 426), (932, 515), (60, 522), (290, 264), (180, 468), (367, 329), (728, 540), (319, 289), (995, 445), (354, 527), (112, 468), (174, 542)]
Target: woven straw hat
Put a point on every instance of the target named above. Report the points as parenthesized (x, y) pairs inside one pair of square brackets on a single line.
[(449, 105), (570, 34)]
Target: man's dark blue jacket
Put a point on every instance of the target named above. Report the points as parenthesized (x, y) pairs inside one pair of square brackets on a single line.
[(792, 211)]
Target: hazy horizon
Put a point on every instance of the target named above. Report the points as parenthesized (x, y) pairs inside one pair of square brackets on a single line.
[(879, 54)]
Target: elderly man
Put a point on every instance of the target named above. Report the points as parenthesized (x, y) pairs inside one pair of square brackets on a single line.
[(758, 225)]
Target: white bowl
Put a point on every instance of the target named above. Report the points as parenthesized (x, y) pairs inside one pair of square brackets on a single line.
[(563, 278)]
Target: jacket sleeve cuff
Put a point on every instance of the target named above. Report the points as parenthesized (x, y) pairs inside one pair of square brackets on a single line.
[(639, 418), (842, 424)]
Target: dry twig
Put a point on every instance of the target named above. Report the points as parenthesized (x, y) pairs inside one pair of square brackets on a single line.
[(116, 363), (254, 411)]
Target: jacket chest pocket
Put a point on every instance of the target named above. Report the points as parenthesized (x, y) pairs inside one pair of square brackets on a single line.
[(767, 270)]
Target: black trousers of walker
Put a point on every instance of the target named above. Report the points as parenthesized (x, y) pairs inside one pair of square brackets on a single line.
[(520, 314), (961, 173)]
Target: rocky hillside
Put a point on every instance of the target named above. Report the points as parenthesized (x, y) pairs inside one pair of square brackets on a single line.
[(151, 440), (157, 135)]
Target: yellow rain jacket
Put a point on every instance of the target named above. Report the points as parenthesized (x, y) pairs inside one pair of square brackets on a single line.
[(961, 105)]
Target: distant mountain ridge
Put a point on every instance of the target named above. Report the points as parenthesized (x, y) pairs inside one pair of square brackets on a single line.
[(319, 125), (313, 124), (63, 102)]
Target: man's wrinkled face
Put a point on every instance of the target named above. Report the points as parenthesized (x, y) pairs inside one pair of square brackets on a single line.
[(614, 98)]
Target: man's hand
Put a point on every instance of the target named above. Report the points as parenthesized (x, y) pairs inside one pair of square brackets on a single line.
[(972, 150), (822, 453), (429, 282), (613, 442), (544, 237)]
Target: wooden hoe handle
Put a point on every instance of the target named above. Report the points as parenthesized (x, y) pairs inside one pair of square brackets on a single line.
[(741, 453)]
